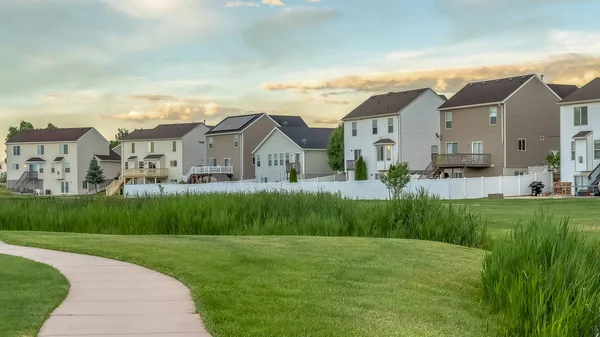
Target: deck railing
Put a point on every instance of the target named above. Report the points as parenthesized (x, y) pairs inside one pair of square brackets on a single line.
[(146, 172), (457, 160)]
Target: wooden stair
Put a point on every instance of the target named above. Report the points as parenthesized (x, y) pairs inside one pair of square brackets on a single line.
[(115, 187)]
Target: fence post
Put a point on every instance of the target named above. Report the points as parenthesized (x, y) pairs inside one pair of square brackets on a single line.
[(482, 183), (465, 187)]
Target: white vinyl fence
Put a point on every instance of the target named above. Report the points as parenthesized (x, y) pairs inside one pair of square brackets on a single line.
[(465, 188)]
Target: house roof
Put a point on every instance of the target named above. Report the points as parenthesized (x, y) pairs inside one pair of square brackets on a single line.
[(563, 90), (132, 158), (582, 134), (154, 156), (49, 135), (308, 138), (162, 131), (57, 159), (112, 156), (385, 104), (289, 121), (384, 141), (234, 123), (589, 92), (35, 160), (483, 92)]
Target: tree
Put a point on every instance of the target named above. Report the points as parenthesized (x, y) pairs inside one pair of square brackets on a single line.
[(118, 137), (3, 176), (51, 126), (293, 175), (361, 169), (335, 149), (553, 160), (95, 174), (13, 130), (397, 177)]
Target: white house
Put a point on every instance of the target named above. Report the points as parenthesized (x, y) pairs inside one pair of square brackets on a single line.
[(580, 137), (391, 128), (56, 161), (163, 154), (302, 148)]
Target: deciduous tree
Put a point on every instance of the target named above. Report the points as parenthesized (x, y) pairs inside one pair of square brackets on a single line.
[(397, 177)]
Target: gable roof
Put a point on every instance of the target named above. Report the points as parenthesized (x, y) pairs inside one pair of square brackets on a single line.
[(234, 123), (589, 92), (486, 92), (385, 104), (563, 90), (112, 156), (162, 131), (308, 138), (48, 135), (289, 121)]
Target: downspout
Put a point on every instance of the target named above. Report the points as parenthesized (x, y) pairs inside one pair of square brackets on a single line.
[(303, 164), (400, 144), (241, 156), (504, 135)]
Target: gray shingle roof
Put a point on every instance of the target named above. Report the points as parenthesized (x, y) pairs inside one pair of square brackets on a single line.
[(234, 123), (582, 134), (112, 156), (563, 90), (385, 104), (384, 141), (308, 138), (48, 135), (163, 131), (289, 121), (588, 92)]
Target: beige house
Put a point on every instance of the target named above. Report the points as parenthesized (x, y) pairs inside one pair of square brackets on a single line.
[(230, 143), (498, 127)]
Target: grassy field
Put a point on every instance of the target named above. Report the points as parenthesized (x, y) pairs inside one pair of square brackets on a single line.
[(29, 292), (307, 286)]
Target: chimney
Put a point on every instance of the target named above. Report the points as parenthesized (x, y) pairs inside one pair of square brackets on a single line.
[(204, 122), (542, 77)]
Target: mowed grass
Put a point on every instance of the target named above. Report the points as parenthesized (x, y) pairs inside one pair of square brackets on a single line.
[(307, 286), (29, 292)]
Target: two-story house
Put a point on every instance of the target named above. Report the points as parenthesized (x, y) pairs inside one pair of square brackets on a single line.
[(231, 142), (301, 148), (580, 137), (499, 127), (164, 153), (56, 161), (391, 128)]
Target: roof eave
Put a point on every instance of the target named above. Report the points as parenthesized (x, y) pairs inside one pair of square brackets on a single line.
[(595, 100), (469, 106)]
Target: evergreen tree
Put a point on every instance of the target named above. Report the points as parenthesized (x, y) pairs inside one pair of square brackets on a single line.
[(361, 169), (95, 174), (335, 149), (293, 175)]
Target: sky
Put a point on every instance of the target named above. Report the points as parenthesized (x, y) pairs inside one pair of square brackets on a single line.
[(140, 63)]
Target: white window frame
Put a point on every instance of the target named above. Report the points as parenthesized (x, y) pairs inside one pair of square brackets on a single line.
[(212, 161), (578, 111), (15, 167), (473, 147), (522, 141), (354, 129), (16, 150), (281, 160), (150, 147), (457, 148), (448, 120), (173, 163), (174, 146), (494, 115), (132, 147), (597, 149), (270, 160), (375, 126), (63, 149), (67, 168), (236, 140), (210, 143), (226, 161), (391, 125), (573, 151), (258, 160), (275, 159), (40, 150)]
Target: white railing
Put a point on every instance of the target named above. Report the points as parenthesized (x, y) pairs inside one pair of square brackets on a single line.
[(146, 172), (207, 170)]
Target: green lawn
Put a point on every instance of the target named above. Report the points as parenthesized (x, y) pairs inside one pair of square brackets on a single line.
[(306, 286), (29, 292)]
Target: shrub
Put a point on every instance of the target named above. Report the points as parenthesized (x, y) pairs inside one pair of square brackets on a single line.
[(397, 177), (293, 175), (361, 169), (544, 280)]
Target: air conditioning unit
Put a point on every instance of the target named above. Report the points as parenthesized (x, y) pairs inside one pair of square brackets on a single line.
[(48, 192)]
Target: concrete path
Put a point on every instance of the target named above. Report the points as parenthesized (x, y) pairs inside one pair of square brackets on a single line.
[(109, 298)]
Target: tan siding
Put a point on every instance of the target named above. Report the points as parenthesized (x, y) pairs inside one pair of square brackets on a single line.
[(223, 148), (472, 124), (252, 136), (532, 112)]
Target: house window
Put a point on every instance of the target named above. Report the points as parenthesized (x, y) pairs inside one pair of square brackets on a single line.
[(85, 185), (64, 187), (132, 147), (210, 142), (174, 146), (354, 130), (448, 119), (493, 115), (227, 162), (522, 146), (264, 179), (597, 149), (52, 169), (63, 148), (275, 159), (15, 166), (258, 160), (380, 153), (451, 147), (67, 167), (357, 154), (391, 125), (572, 150), (477, 147), (126, 165), (581, 115), (458, 174), (236, 140), (287, 158), (270, 160), (40, 168), (212, 161), (40, 150), (16, 150), (151, 147), (254, 160), (435, 149), (374, 125), (173, 163), (281, 159)]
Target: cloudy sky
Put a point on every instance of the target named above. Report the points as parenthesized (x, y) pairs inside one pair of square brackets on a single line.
[(138, 63)]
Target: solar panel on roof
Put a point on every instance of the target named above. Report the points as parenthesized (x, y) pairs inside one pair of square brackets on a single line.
[(233, 123)]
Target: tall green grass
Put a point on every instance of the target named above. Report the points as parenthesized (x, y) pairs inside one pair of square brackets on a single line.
[(419, 216), (544, 280)]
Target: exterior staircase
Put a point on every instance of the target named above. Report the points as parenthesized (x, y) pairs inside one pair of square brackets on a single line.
[(431, 172), (115, 186), (594, 178), (21, 184)]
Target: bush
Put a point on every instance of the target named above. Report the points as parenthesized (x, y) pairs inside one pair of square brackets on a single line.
[(419, 216), (293, 175), (397, 177), (544, 280), (361, 169)]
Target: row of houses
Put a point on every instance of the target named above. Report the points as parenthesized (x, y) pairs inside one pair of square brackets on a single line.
[(497, 127)]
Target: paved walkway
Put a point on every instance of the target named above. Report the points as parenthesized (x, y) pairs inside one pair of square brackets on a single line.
[(115, 299)]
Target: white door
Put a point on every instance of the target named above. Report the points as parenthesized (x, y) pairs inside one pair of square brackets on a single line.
[(581, 150), (477, 147)]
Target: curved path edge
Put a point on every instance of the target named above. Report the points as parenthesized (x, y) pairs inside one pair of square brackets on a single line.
[(111, 298)]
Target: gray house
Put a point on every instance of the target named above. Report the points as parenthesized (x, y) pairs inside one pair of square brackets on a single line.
[(302, 148)]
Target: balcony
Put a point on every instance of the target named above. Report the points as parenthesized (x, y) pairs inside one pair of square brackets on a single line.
[(350, 165), (289, 166), (146, 173), (460, 160), (211, 170)]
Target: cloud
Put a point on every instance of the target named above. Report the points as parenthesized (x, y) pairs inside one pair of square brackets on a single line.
[(273, 2), (153, 97), (335, 101), (329, 121), (241, 4), (177, 111), (314, 0), (146, 9)]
